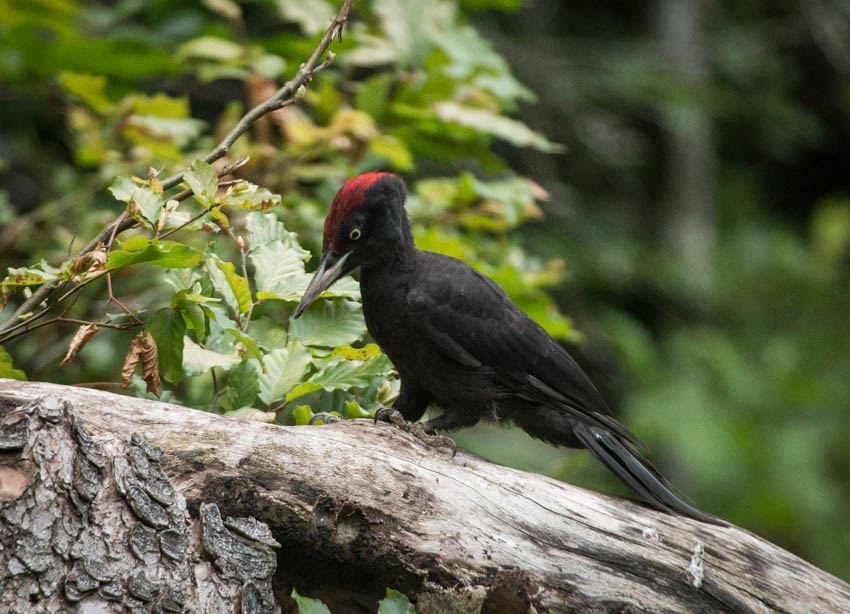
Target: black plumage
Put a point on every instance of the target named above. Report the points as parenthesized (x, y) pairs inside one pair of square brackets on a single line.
[(460, 344)]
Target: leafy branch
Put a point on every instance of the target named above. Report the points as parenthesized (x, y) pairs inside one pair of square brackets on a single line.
[(108, 234), (285, 96)]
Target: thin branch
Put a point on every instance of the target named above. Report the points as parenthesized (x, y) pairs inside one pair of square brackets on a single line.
[(63, 319), (109, 275), (285, 96), (5, 335), (42, 292), (107, 234), (124, 326), (187, 193), (241, 243), (282, 96)]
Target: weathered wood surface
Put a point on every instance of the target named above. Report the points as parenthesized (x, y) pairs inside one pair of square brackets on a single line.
[(87, 513)]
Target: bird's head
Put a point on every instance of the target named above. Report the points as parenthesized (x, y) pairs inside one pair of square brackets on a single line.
[(366, 225)]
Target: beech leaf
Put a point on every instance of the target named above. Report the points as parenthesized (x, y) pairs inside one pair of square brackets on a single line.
[(142, 351), (81, 337)]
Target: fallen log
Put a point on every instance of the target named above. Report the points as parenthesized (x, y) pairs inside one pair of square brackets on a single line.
[(110, 502)]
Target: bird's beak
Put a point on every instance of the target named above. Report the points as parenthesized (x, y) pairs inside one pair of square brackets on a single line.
[(331, 268)]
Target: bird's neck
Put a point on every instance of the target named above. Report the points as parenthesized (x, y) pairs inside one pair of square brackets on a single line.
[(393, 247)]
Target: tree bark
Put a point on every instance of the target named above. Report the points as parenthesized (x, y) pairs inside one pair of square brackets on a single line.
[(687, 229), (110, 503)]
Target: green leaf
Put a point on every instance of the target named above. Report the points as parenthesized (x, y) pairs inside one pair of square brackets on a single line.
[(263, 228), (279, 272), (329, 324), (488, 122), (220, 216), (301, 389), (150, 203), (159, 105), (198, 360), (200, 298), (168, 328), (91, 89), (346, 287), (153, 131), (211, 48), (302, 415), (166, 254), (122, 189), (202, 180), (244, 378), (313, 17), (373, 94), (250, 196), (27, 277), (393, 150), (234, 288), (268, 332), (350, 353), (192, 314), (353, 410), (341, 374), (395, 603), (277, 258), (247, 342), (6, 368), (284, 368), (217, 313)]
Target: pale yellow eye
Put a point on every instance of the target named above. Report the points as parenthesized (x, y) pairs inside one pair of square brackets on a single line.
[(354, 234)]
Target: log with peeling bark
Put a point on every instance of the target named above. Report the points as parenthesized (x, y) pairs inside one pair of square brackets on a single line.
[(110, 503)]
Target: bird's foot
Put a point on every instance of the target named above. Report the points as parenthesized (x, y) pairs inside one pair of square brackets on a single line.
[(417, 429), (324, 417)]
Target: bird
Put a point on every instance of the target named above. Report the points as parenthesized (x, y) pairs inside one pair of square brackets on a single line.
[(460, 344)]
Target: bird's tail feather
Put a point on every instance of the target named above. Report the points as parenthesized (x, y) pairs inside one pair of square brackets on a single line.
[(638, 473)]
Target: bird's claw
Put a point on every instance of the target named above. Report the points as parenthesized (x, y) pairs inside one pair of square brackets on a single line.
[(417, 429), (388, 414), (324, 417)]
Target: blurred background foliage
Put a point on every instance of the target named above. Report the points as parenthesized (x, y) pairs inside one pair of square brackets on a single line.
[(672, 174)]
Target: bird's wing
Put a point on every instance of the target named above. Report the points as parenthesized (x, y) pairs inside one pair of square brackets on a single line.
[(470, 320)]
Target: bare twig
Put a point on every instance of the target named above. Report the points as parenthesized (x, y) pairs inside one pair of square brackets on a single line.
[(240, 242), (112, 298), (281, 98), (285, 96), (60, 318), (187, 193), (43, 291), (124, 326)]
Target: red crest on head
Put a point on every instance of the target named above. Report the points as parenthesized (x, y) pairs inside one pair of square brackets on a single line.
[(349, 197)]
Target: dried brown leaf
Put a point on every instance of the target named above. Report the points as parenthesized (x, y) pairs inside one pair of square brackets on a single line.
[(150, 364), (81, 337), (131, 360), (5, 293), (91, 261), (142, 349)]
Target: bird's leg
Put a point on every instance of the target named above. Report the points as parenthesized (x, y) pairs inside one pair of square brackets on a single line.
[(452, 420), (419, 430)]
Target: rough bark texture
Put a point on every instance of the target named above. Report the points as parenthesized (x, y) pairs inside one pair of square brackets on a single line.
[(110, 503)]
